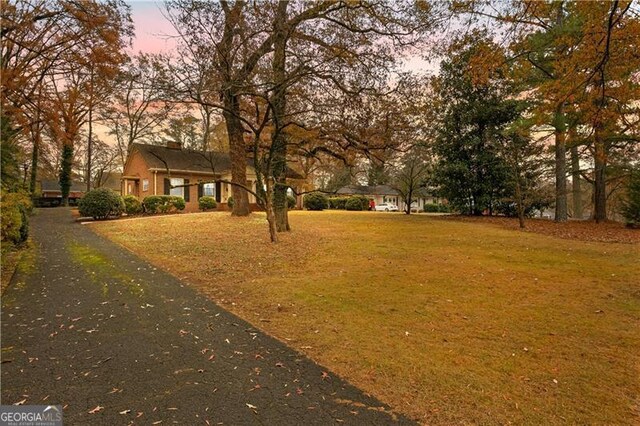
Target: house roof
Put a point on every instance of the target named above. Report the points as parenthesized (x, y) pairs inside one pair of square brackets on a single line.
[(111, 180), (209, 162), (377, 190), (54, 186), (367, 190), (161, 157)]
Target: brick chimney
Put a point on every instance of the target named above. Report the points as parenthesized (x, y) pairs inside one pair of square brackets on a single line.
[(174, 145)]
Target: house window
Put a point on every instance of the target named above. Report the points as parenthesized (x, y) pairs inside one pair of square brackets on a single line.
[(209, 189), (177, 191), (145, 184)]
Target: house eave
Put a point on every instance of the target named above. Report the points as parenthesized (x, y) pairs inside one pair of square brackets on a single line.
[(192, 172)]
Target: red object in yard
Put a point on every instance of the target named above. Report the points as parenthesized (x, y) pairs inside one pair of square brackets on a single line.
[(372, 205)]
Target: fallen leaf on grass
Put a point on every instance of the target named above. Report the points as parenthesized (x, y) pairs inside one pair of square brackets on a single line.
[(20, 402), (97, 409), (124, 412)]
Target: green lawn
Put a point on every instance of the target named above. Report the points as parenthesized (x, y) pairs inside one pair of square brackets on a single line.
[(448, 322)]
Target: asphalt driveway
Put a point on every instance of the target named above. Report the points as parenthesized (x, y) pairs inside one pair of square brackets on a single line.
[(90, 326)]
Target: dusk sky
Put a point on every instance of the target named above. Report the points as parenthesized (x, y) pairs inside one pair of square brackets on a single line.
[(154, 32), (152, 28)]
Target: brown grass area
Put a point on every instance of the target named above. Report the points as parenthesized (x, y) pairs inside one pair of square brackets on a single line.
[(583, 230), (449, 322)]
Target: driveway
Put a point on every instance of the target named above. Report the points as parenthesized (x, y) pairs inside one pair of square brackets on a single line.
[(90, 326)]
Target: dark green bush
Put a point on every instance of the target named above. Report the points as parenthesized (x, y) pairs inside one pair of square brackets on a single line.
[(353, 204), (132, 205), (631, 205), (207, 203), (101, 203), (15, 209), (162, 204), (291, 202), (315, 201), (443, 208), (364, 202), (431, 208), (337, 202), (152, 203), (230, 202)]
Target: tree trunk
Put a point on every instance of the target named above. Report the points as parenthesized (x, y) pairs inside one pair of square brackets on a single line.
[(238, 155), (576, 189), (65, 172), (34, 160), (281, 207), (519, 200), (600, 194), (89, 148), (560, 165), (271, 215), (279, 106)]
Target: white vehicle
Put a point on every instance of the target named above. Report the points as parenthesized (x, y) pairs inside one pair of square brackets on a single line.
[(386, 207)]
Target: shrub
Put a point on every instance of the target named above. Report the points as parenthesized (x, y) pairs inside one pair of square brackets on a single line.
[(431, 208), (101, 203), (132, 205), (207, 203), (178, 203), (162, 204), (353, 204), (230, 202), (443, 208), (315, 201), (337, 202), (15, 208), (151, 204), (631, 205), (291, 202), (364, 202)]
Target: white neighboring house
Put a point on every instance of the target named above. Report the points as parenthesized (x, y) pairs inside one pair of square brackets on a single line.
[(386, 194)]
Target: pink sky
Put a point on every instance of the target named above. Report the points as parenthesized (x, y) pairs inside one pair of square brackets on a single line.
[(153, 31)]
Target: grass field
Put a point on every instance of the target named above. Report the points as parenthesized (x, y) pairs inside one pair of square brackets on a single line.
[(448, 322)]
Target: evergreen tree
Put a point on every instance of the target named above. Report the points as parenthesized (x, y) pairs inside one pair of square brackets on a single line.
[(472, 112), (9, 168), (631, 206)]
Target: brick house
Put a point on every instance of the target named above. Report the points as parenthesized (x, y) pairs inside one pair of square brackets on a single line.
[(51, 194), (154, 169)]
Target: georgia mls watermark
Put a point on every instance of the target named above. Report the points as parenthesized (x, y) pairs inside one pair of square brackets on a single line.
[(30, 415)]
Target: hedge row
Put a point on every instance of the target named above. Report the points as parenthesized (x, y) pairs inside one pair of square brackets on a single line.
[(436, 208), (163, 204), (103, 203), (15, 209), (357, 202)]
